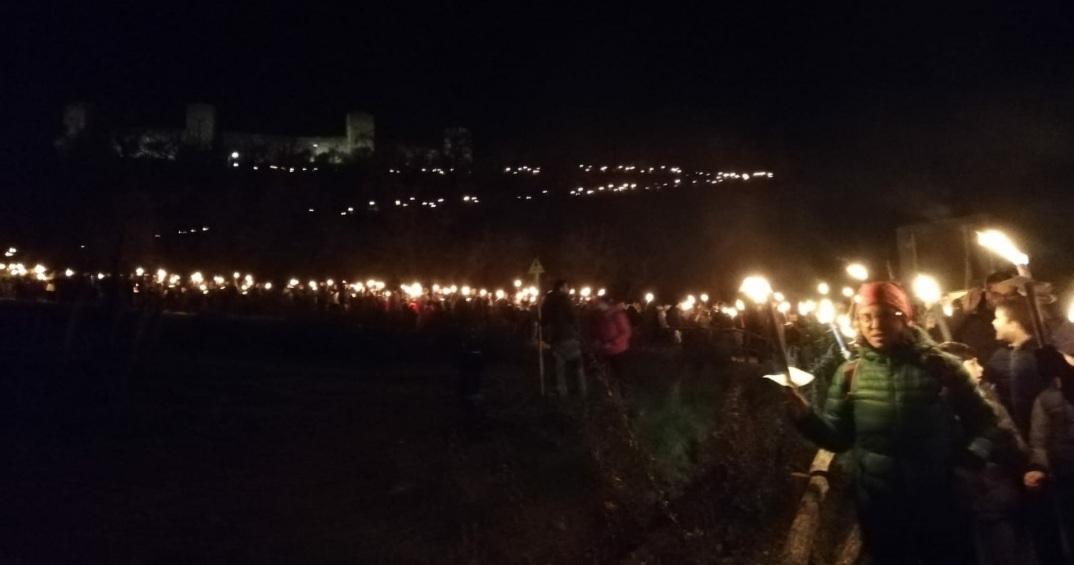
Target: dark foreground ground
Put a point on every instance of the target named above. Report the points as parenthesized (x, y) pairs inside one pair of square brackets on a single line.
[(259, 441)]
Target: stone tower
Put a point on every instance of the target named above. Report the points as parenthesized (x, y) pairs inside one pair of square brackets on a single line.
[(360, 132), (200, 130)]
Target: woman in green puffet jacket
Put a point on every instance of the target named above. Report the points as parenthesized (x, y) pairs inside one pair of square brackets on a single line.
[(910, 413)]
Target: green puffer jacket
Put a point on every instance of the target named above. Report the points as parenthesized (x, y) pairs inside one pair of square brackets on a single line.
[(908, 416)]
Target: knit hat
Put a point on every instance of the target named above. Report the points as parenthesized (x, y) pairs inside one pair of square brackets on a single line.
[(887, 293)]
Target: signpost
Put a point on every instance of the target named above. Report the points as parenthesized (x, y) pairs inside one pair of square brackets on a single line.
[(536, 270)]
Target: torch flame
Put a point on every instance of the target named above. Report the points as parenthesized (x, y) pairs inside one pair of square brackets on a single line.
[(927, 289), (997, 242), (858, 272), (846, 327), (756, 288), (825, 311)]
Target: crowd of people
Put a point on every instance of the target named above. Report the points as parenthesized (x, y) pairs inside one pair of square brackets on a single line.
[(961, 433), (961, 451)]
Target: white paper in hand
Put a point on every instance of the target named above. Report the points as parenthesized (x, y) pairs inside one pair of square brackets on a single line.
[(798, 378)]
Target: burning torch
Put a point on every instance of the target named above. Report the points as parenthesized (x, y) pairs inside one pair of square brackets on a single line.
[(927, 290), (997, 242)]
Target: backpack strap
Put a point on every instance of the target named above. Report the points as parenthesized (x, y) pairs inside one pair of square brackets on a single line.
[(849, 374)]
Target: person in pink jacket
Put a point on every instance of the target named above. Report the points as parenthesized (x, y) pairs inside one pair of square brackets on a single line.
[(610, 333)]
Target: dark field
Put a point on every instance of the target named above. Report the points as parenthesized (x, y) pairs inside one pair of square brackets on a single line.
[(268, 441)]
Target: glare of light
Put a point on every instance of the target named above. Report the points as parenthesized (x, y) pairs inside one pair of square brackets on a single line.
[(997, 242), (39, 269), (268, 286), (848, 292), (68, 273), (649, 297), (518, 283), (465, 290), (858, 272), (825, 311), (601, 292), (248, 279), (586, 291), (533, 292), (162, 275), (11, 251), (740, 305), (330, 282), (845, 327), (731, 312), (778, 297), (806, 308), (949, 309), (704, 297), (784, 307), (483, 293), (3, 267), (234, 154), (413, 290), (219, 280), (756, 288), (500, 294), (1070, 312), (235, 275), (312, 284), (823, 289), (197, 278), (927, 289), (174, 279), (571, 292), (100, 276), (293, 283)]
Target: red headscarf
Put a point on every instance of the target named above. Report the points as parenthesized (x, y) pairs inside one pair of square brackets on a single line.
[(887, 293)]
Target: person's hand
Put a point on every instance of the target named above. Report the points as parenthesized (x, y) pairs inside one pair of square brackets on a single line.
[(1034, 480), (797, 405)]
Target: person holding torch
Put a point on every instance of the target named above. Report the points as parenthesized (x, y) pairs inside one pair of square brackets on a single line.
[(895, 407)]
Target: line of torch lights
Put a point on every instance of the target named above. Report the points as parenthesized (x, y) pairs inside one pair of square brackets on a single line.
[(832, 313)]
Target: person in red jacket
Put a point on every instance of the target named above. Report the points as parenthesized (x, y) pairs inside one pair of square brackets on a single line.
[(610, 333)]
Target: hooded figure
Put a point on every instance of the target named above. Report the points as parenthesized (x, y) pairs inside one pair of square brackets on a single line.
[(908, 412)]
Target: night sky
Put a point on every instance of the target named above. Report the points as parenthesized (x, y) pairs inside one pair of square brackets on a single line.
[(536, 83)]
